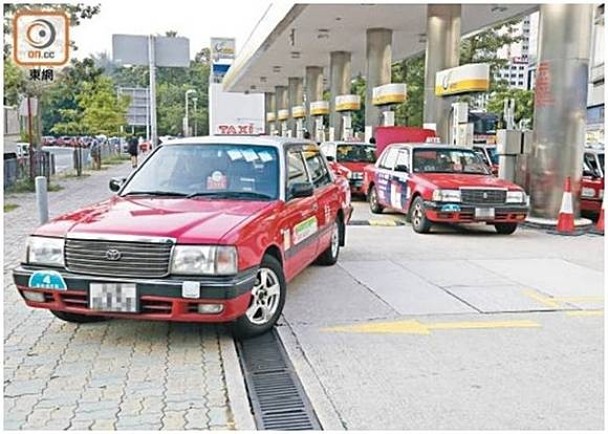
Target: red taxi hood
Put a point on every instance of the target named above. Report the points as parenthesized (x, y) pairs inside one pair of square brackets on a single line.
[(354, 166), (187, 220), (455, 181)]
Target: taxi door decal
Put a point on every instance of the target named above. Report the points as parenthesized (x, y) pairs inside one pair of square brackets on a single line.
[(304, 229)]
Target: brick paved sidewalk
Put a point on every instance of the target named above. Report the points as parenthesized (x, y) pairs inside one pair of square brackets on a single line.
[(112, 375)]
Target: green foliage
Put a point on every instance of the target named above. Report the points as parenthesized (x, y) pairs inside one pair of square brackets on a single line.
[(411, 72), (357, 87), (8, 207), (103, 112), (524, 104), (27, 185), (14, 82)]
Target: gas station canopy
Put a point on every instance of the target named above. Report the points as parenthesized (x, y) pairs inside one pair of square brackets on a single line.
[(291, 37)]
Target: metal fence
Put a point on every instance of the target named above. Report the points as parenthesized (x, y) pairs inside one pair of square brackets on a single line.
[(16, 169)]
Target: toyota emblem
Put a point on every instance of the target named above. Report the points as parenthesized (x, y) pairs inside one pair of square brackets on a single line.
[(113, 254), (485, 195)]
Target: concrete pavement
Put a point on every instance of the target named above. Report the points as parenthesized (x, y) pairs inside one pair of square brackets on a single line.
[(458, 329), (115, 374)]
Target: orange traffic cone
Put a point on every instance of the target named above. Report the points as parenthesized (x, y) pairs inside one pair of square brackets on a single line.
[(565, 219), (599, 227)]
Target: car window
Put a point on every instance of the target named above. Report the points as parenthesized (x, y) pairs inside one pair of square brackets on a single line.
[(444, 160), (296, 168), (207, 169), (388, 162), (403, 161), (591, 162), (356, 152), (318, 172)]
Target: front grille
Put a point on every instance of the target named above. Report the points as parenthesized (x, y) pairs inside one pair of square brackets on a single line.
[(483, 196), (137, 259)]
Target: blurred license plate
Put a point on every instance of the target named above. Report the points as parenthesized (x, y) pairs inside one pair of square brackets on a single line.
[(113, 297), (484, 213)]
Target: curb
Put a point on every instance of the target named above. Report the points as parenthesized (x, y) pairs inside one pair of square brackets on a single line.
[(317, 395), (238, 399), (376, 222)]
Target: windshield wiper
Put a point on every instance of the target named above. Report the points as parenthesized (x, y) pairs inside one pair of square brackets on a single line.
[(155, 193), (230, 194)]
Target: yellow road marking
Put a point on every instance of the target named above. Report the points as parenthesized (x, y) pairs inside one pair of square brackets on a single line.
[(586, 313), (556, 302), (582, 298), (542, 299), (382, 223), (416, 327)]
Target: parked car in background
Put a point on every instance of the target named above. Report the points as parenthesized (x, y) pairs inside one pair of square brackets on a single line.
[(489, 154), (22, 150), (593, 182), (349, 159), (205, 230), (49, 141), (442, 184)]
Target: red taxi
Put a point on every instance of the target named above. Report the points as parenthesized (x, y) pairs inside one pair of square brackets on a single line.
[(489, 154), (205, 230), (592, 188), (349, 159), (443, 184)]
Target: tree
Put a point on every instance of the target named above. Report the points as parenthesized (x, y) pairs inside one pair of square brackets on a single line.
[(411, 72), (103, 112), (524, 104), (483, 48)]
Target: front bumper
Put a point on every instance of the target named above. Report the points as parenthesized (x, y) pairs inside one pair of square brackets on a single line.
[(158, 299), (591, 205), (466, 213)]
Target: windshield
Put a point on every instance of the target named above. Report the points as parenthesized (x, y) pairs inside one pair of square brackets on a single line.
[(602, 167), (493, 153), (448, 161), (227, 170), (356, 153)]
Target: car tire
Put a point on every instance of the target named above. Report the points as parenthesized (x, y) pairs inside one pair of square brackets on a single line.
[(77, 318), (269, 275), (420, 223), (330, 255), (372, 198), (505, 228)]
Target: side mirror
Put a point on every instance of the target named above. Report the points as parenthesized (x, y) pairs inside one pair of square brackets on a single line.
[(116, 183), (402, 168), (301, 189), (330, 158)]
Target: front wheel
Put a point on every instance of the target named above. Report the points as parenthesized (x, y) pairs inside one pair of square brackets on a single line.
[(418, 217), (505, 228), (330, 255), (267, 300), (77, 318), (374, 206)]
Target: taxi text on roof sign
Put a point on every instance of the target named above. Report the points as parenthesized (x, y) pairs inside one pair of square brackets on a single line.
[(474, 77)]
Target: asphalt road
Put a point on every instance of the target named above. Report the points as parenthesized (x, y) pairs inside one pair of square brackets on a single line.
[(457, 329)]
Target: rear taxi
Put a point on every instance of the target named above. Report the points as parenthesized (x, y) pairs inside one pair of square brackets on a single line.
[(442, 184), (593, 182), (349, 159)]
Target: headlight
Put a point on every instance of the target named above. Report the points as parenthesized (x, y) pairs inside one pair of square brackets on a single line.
[(446, 195), (45, 251), (516, 197), (215, 260)]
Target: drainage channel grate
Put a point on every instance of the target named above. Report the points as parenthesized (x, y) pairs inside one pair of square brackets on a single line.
[(275, 392)]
